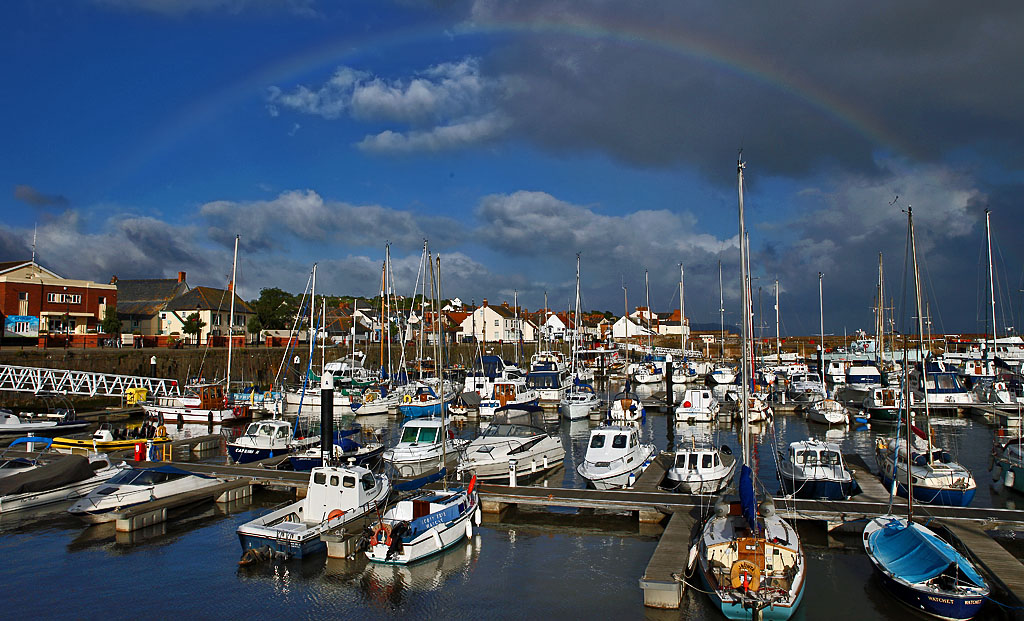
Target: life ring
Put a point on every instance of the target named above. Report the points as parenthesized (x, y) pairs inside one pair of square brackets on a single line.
[(161, 432), (369, 397), (407, 399), (377, 538), (748, 569), (337, 513)]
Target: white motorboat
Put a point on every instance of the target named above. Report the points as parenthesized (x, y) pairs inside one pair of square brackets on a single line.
[(827, 412), (134, 486), (615, 456), (66, 478), (419, 527), (944, 388), (883, 405), (815, 469), (722, 374), (337, 496), (534, 450), (861, 380), (700, 467), (422, 446), (579, 401), (937, 479), (201, 403), (13, 424), (265, 439), (698, 405), (805, 388)]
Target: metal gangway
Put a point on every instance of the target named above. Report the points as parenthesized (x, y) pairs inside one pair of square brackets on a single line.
[(63, 381)]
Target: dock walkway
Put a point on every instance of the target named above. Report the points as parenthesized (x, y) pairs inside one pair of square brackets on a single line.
[(659, 583), (1000, 565)]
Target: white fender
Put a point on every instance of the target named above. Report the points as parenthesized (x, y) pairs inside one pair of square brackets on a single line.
[(477, 516), (1009, 478), (437, 539), (693, 557), (469, 529)]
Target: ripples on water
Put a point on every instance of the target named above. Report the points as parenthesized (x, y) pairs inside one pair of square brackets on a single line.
[(566, 564)]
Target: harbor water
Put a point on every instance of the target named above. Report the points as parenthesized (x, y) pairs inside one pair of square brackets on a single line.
[(533, 563)]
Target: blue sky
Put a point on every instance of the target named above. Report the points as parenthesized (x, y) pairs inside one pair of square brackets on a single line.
[(142, 135)]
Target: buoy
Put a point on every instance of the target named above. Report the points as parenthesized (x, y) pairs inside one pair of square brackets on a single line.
[(1009, 478)]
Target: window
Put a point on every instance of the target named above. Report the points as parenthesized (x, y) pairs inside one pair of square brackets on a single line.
[(597, 441), (620, 441), (368, 481), (349, 482), (705, 462), (102, 300), (334, 480), (22, 295), (428, 434), (319, 478), (495, 323)]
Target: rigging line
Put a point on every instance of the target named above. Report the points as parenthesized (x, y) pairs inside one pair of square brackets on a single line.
[(295, 324)]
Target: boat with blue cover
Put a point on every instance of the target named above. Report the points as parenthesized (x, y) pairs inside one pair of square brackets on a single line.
[(922, 570), (423, 399), (345, 451), (418, 527)]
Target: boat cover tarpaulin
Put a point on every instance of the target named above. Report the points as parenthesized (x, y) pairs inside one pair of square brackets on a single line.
[(408, 486), (918, 556), (65, 471)]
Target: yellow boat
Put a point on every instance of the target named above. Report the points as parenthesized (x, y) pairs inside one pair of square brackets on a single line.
[(103, 439)]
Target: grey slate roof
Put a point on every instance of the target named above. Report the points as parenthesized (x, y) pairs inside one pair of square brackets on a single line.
[(208, 298), (147, 297)]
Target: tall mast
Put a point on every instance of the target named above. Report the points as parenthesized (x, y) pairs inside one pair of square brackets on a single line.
[(778, 344), (920, 334), (625, 317), (647, 289), (744, 375), (991, 280), (821, 320), (721, 295), (312, 315), (880, 329), (682, 314), (576, 320), (231, 317), (515, 325)]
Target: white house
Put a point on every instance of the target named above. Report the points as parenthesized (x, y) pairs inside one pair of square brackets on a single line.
[(497, 323), (624, 327)]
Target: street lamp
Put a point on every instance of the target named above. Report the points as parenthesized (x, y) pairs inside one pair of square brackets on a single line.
[(67, 317)]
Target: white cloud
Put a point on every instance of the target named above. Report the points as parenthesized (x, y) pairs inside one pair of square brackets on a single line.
[(464, 133)]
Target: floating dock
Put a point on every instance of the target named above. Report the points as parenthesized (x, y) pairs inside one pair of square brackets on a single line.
[(662, 582)]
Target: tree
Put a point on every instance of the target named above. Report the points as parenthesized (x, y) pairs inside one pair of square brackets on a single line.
[(111, 324), (193, 325), (254, 327), (274, 308)]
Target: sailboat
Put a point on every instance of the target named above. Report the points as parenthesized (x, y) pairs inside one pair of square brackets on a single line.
[(580, 399), (916, 566), (935, 478), (750, 560), (827, 411)]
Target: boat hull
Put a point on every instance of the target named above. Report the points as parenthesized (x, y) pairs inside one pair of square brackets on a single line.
[(933, 495), (306, 463), (247, 454), (827, 490)]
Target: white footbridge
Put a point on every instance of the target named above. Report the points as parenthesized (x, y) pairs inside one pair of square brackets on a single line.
[(62, 381)]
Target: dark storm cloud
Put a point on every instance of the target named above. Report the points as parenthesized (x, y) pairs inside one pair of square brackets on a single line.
[(28, 194), (816, 83)]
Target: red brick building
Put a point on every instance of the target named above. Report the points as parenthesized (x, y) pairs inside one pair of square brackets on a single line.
[(34, 301)]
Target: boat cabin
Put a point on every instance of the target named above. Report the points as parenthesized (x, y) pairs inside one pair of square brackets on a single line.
[(699, 460), (268, 430), (863, 375), (505, 392), (836, 371), (417, 432), (205, 396), (340, 488), (698, 399), (608, 444), (808, 454), (544, 380)]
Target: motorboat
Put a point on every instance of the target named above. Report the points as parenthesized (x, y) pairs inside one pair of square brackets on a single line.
[(66, 478), (110, 439), (265, 439), (488, 370), (626, 406), (550, 385), (418, 527), (698, 405), (377, 400), (815, 469), (749, 559), (827, 412), (758, 409), (723, 374), (513, 438), (937, 479), (649, 373), (701, 467), (883, 405), (579, 401), (835, 372), (614, 457), (337, 496), (426, 398), (201, 403), (423, 446), (922, 570), (13, 465), (805, 388), (944, 388), (507, 392), (861, 380), (134, 486), (14, 424), (345, 450)]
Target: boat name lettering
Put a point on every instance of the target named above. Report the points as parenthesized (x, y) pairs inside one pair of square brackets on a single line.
[(941, 600)]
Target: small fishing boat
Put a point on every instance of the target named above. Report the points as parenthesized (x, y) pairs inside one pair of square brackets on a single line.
[(815, 469), (337, 496), (699, 405), (922, 570), (615, 456), (201, 403), (67, 478), (424, 444), (134, 486), (513, 437), (701, 468), (262, 440), (883, 405), (827, 412), (507, 392), (424, 525), (107, 438)]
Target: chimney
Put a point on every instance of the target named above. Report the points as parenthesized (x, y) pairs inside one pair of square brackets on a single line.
[(113, 279), (231, 286), (181, 276), (485, 303)]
